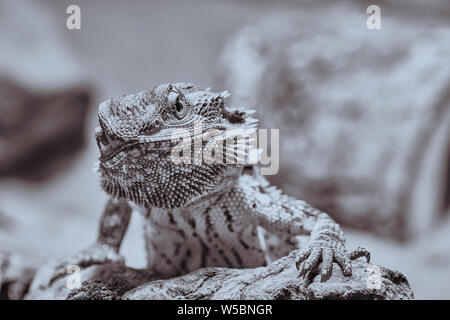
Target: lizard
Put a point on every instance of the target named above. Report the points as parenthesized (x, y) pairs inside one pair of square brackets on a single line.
[(196, 214)]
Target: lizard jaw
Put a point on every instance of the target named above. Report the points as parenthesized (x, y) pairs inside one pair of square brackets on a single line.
[(159, 145)]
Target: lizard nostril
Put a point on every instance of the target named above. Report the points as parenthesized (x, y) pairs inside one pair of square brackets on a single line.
[(102, 140), (100, 136)]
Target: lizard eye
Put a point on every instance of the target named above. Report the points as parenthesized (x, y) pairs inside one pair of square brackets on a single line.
[(178, 106), (157, 123)]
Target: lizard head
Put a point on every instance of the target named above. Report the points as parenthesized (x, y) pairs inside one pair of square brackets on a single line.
[(137, 136)]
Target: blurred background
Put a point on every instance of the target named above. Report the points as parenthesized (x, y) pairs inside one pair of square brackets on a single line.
[(364, 115)]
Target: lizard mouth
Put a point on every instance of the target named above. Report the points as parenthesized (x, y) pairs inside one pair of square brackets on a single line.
[(109, 153), (110, 148), (136, 146), (113, 151)]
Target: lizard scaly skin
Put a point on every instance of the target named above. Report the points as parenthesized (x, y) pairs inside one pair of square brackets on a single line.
[(197, 215)]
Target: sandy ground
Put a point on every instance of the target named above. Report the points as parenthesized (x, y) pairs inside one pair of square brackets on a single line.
[(163, 41)]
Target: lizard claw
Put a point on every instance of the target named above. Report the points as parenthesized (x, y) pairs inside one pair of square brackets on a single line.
[(301, 256), (361, 251)]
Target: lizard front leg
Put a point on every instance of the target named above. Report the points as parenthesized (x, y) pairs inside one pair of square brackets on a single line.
[(284, 215), (112, 228), (113, 225)]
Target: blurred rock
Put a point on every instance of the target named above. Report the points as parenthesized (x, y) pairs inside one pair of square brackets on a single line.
[(15, 276), (6, 222), (43, 93), (364, 116), (39, 131), (277, 281)]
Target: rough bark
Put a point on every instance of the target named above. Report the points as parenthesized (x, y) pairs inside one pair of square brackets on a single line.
[(279, 280)]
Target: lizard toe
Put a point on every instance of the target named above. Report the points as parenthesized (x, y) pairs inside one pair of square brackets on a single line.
[(327, 264), (344, 263), (310, 264), (301, 256)]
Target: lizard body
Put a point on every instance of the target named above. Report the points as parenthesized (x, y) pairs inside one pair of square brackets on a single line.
[(197, 214), (223, 230)]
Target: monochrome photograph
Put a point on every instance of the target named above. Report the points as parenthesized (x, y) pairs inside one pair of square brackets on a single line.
[(239, 151)]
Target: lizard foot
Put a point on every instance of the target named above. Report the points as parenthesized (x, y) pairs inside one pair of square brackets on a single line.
[(361, 251), (325, 253), (95, 254)]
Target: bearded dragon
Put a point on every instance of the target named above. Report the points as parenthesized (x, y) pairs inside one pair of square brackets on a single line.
[(197, 215)]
